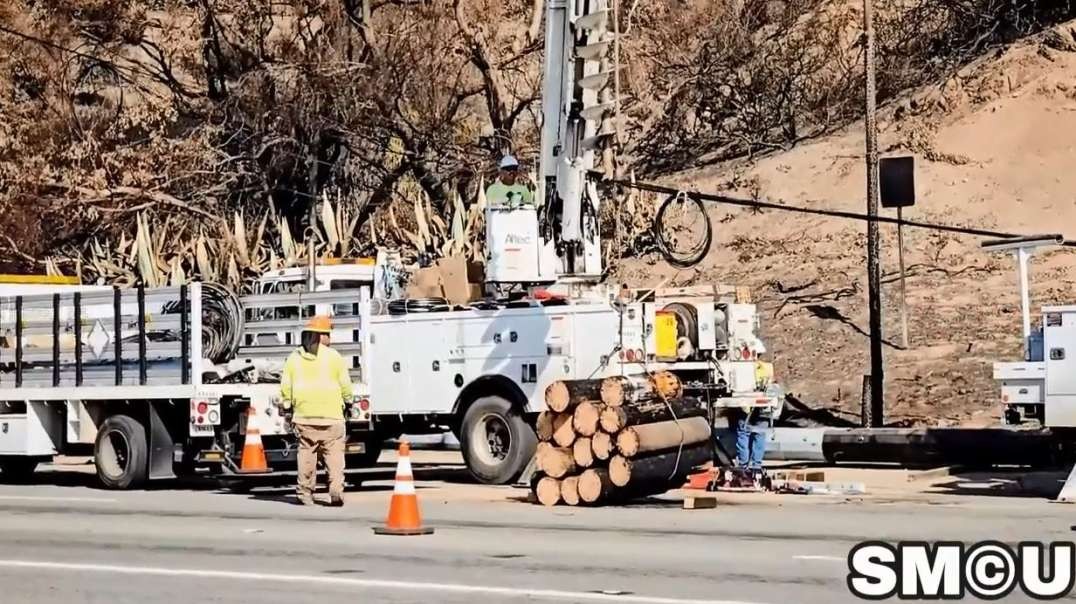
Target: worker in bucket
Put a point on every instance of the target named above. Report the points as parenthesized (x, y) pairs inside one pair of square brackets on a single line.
[(315, 388), (510, 189)]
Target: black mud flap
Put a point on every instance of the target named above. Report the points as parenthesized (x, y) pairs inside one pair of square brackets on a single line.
[(161, 447)]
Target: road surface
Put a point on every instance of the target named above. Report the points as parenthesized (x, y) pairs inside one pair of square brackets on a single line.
[(63, 541)]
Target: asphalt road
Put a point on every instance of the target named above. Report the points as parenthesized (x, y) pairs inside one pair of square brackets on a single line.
[(62, 541)]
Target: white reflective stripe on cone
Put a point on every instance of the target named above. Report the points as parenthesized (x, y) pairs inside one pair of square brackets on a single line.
[(404, 487), (403, 468)]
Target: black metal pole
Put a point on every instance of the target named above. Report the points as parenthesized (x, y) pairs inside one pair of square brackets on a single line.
[(184, 337), (78, 339), (117, 336), (18, 341), (141, 334), (55, 340)]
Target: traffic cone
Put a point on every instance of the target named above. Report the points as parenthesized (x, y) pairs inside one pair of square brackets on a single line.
[(253, 461), (404, 517)]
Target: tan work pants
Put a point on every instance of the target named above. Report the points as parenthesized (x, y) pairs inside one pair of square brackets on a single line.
[(327, 440)]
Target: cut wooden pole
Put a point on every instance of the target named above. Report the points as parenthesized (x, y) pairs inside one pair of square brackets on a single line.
[(565, 394), (555, 462), (585, 418), (544, 425), (582, 452), (614, 419), (569, 490), (563, 432), (660, 436), (602, 445), (594, 485), (672, 467), (620, 390), (548, 491)]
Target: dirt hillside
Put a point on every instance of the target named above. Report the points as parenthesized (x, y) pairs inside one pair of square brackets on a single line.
[(995, 148)]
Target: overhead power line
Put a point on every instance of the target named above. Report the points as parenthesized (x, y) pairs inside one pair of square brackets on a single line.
[(673, 192)]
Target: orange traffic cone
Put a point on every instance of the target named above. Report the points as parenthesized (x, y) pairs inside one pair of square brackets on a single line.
[(404, 517), (253, 461)]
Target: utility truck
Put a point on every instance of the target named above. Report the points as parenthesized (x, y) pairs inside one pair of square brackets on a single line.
[(1041, 388), (158, 381)]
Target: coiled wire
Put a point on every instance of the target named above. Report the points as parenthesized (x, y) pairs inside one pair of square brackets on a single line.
[(416, 305), (222, 322)]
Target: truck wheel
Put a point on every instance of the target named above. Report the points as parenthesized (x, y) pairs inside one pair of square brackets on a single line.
[(17, 470), (497, 443), (120, 453)]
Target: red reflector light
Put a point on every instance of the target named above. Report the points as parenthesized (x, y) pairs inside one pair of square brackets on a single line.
[(364, 404), (203, 407), (201, 420), (746, 353), (630, 356)]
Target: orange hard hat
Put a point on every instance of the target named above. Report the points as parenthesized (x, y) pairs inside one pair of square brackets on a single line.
[(319, 324)]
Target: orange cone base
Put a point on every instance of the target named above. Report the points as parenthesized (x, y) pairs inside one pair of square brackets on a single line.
[(381, 530), (254, 471)]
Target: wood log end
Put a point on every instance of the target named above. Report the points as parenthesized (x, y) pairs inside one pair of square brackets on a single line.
[(563, 431), (627, 442), (585, 418), (593, 485), (612, 391), (602, 445), (569, 490), (611, 419), (619, 470), (582, 452), (544, 425), (557, 396), (548, 491)]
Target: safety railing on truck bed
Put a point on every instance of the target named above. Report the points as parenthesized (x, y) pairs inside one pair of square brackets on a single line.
[(117, 337), (170, 336), (273, 324)]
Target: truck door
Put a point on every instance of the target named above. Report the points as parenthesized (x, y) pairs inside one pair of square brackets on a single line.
[(1059, 339)]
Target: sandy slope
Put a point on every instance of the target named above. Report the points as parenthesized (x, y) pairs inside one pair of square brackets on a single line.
[(995, 147)]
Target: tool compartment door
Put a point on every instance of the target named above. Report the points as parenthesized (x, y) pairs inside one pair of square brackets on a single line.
[(1059, 338)]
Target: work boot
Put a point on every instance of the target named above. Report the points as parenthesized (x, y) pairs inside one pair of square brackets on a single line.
[(336, 500), (305, 499)]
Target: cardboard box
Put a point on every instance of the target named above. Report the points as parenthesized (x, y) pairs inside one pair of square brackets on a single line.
[(449, 278)]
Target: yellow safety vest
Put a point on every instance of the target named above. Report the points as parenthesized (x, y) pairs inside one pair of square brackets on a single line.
[(518, 194), (316, 386)]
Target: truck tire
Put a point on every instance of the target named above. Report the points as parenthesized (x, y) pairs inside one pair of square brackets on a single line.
[(17, 470), (496, 441), (120, 453)]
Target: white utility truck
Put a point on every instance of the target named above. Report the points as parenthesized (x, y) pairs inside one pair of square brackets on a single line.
[(153, 382), (1041, 389), (157, 380)]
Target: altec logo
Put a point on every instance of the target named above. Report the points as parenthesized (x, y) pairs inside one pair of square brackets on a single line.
[(989, 570)]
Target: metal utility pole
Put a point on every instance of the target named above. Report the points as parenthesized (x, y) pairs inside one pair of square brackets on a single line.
[(312, 282), (873, 273)]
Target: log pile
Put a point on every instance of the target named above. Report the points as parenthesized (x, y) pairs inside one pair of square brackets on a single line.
[(607, 441)]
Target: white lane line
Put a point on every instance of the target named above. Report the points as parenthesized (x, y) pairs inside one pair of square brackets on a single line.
[(545, 594), (65, 499), (823, 558)]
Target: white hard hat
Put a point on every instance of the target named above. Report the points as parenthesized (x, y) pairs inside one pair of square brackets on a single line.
[(509, 162)]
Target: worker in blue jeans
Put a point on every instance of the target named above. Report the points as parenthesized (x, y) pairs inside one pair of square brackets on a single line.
[(752, 424), (752, 430)]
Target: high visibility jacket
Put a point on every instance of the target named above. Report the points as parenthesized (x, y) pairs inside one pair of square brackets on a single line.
[(518, 194), (316, 386)]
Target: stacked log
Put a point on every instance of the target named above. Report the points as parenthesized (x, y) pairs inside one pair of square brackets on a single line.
[(608, 441)]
